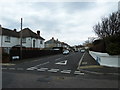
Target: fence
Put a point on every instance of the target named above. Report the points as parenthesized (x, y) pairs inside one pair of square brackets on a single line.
[(25, 54)]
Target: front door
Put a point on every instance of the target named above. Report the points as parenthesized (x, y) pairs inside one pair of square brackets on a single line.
[(33, 43)]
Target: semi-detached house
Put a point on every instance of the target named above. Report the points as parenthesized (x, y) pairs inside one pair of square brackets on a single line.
[(10, 38)]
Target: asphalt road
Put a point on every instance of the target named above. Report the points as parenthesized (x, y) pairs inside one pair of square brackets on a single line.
[(58, 71), (57, 64)]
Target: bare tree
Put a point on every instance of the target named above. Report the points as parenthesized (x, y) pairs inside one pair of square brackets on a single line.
[(109, 26)]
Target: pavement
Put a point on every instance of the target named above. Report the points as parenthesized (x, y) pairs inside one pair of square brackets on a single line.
[(88, 65)]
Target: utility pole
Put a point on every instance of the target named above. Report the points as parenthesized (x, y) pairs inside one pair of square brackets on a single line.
[(1, 44), (21, 41)]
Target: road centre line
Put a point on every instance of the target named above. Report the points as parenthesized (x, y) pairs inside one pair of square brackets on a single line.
[(42, 64), (35, 67), (57, 59)]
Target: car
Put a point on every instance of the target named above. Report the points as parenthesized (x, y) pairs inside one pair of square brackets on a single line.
[(65, 52), (82, 50)]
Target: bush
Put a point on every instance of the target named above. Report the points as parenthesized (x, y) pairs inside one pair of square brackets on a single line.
[(113, 49)]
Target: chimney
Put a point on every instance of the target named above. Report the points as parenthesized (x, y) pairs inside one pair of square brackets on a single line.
[(15, 30), (53, 38), (38, 33)]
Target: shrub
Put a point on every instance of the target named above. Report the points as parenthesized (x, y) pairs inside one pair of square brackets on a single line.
[(113, 49)]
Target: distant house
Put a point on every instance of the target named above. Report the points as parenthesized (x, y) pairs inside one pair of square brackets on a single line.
[(55, 43), (52, 43), (10, 38)]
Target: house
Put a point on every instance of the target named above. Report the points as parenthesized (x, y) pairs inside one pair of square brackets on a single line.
[(55, 43), (10, 38), (52, 43)]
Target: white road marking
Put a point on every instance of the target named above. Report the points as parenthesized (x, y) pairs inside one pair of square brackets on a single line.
[(11, 68), (53, 70), (66, 71), (62, 62), (78, 72), (42, 64), (57, 59), (4, 68), (42, 69), (31, 68), (80, 62)]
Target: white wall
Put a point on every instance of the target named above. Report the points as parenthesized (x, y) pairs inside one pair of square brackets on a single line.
[(16, 41), (105, 59), (28, 42), (13, 41)]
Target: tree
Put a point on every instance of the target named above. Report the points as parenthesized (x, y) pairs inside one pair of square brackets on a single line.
[(109, 31), (109, 26)]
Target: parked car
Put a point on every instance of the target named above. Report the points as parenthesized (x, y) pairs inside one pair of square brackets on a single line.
[(65, 52), (82, 50)]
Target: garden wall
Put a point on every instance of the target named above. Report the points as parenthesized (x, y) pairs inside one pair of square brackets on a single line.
[(105, 59)]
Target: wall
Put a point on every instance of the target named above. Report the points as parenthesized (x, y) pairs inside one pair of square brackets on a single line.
[(105, 59), (29, 43), (13, 41)]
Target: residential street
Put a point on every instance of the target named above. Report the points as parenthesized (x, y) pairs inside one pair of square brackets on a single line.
[(58, 71)]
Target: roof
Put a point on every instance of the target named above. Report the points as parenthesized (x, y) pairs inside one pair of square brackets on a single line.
[(52, 41), (56, 41), (26, 32), (9, 32)]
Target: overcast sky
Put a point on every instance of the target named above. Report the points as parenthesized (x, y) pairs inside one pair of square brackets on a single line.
[(70, 22)]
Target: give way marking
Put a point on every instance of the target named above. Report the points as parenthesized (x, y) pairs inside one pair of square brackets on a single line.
[(62, 62)]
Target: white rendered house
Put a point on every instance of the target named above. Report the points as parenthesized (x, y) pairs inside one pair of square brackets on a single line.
[(10, 38)]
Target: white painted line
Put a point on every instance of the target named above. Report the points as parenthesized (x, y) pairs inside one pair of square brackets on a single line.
[(4, 68), (31, 68), (66, 71), (57, 59), (62, 62), (42, 69), (11, 68), (78, 72), (80, 62), (53, 70), (19, 68), (42, 64)]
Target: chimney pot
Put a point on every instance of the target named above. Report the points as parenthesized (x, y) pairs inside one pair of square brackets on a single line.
[(38, 33), (52, 37), (15, 30)]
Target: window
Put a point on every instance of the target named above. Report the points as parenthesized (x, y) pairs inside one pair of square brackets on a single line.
[(41, 42), (23, 40), (7, 39)]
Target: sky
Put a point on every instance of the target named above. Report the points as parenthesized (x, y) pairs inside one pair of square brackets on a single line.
[(68, 21)]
